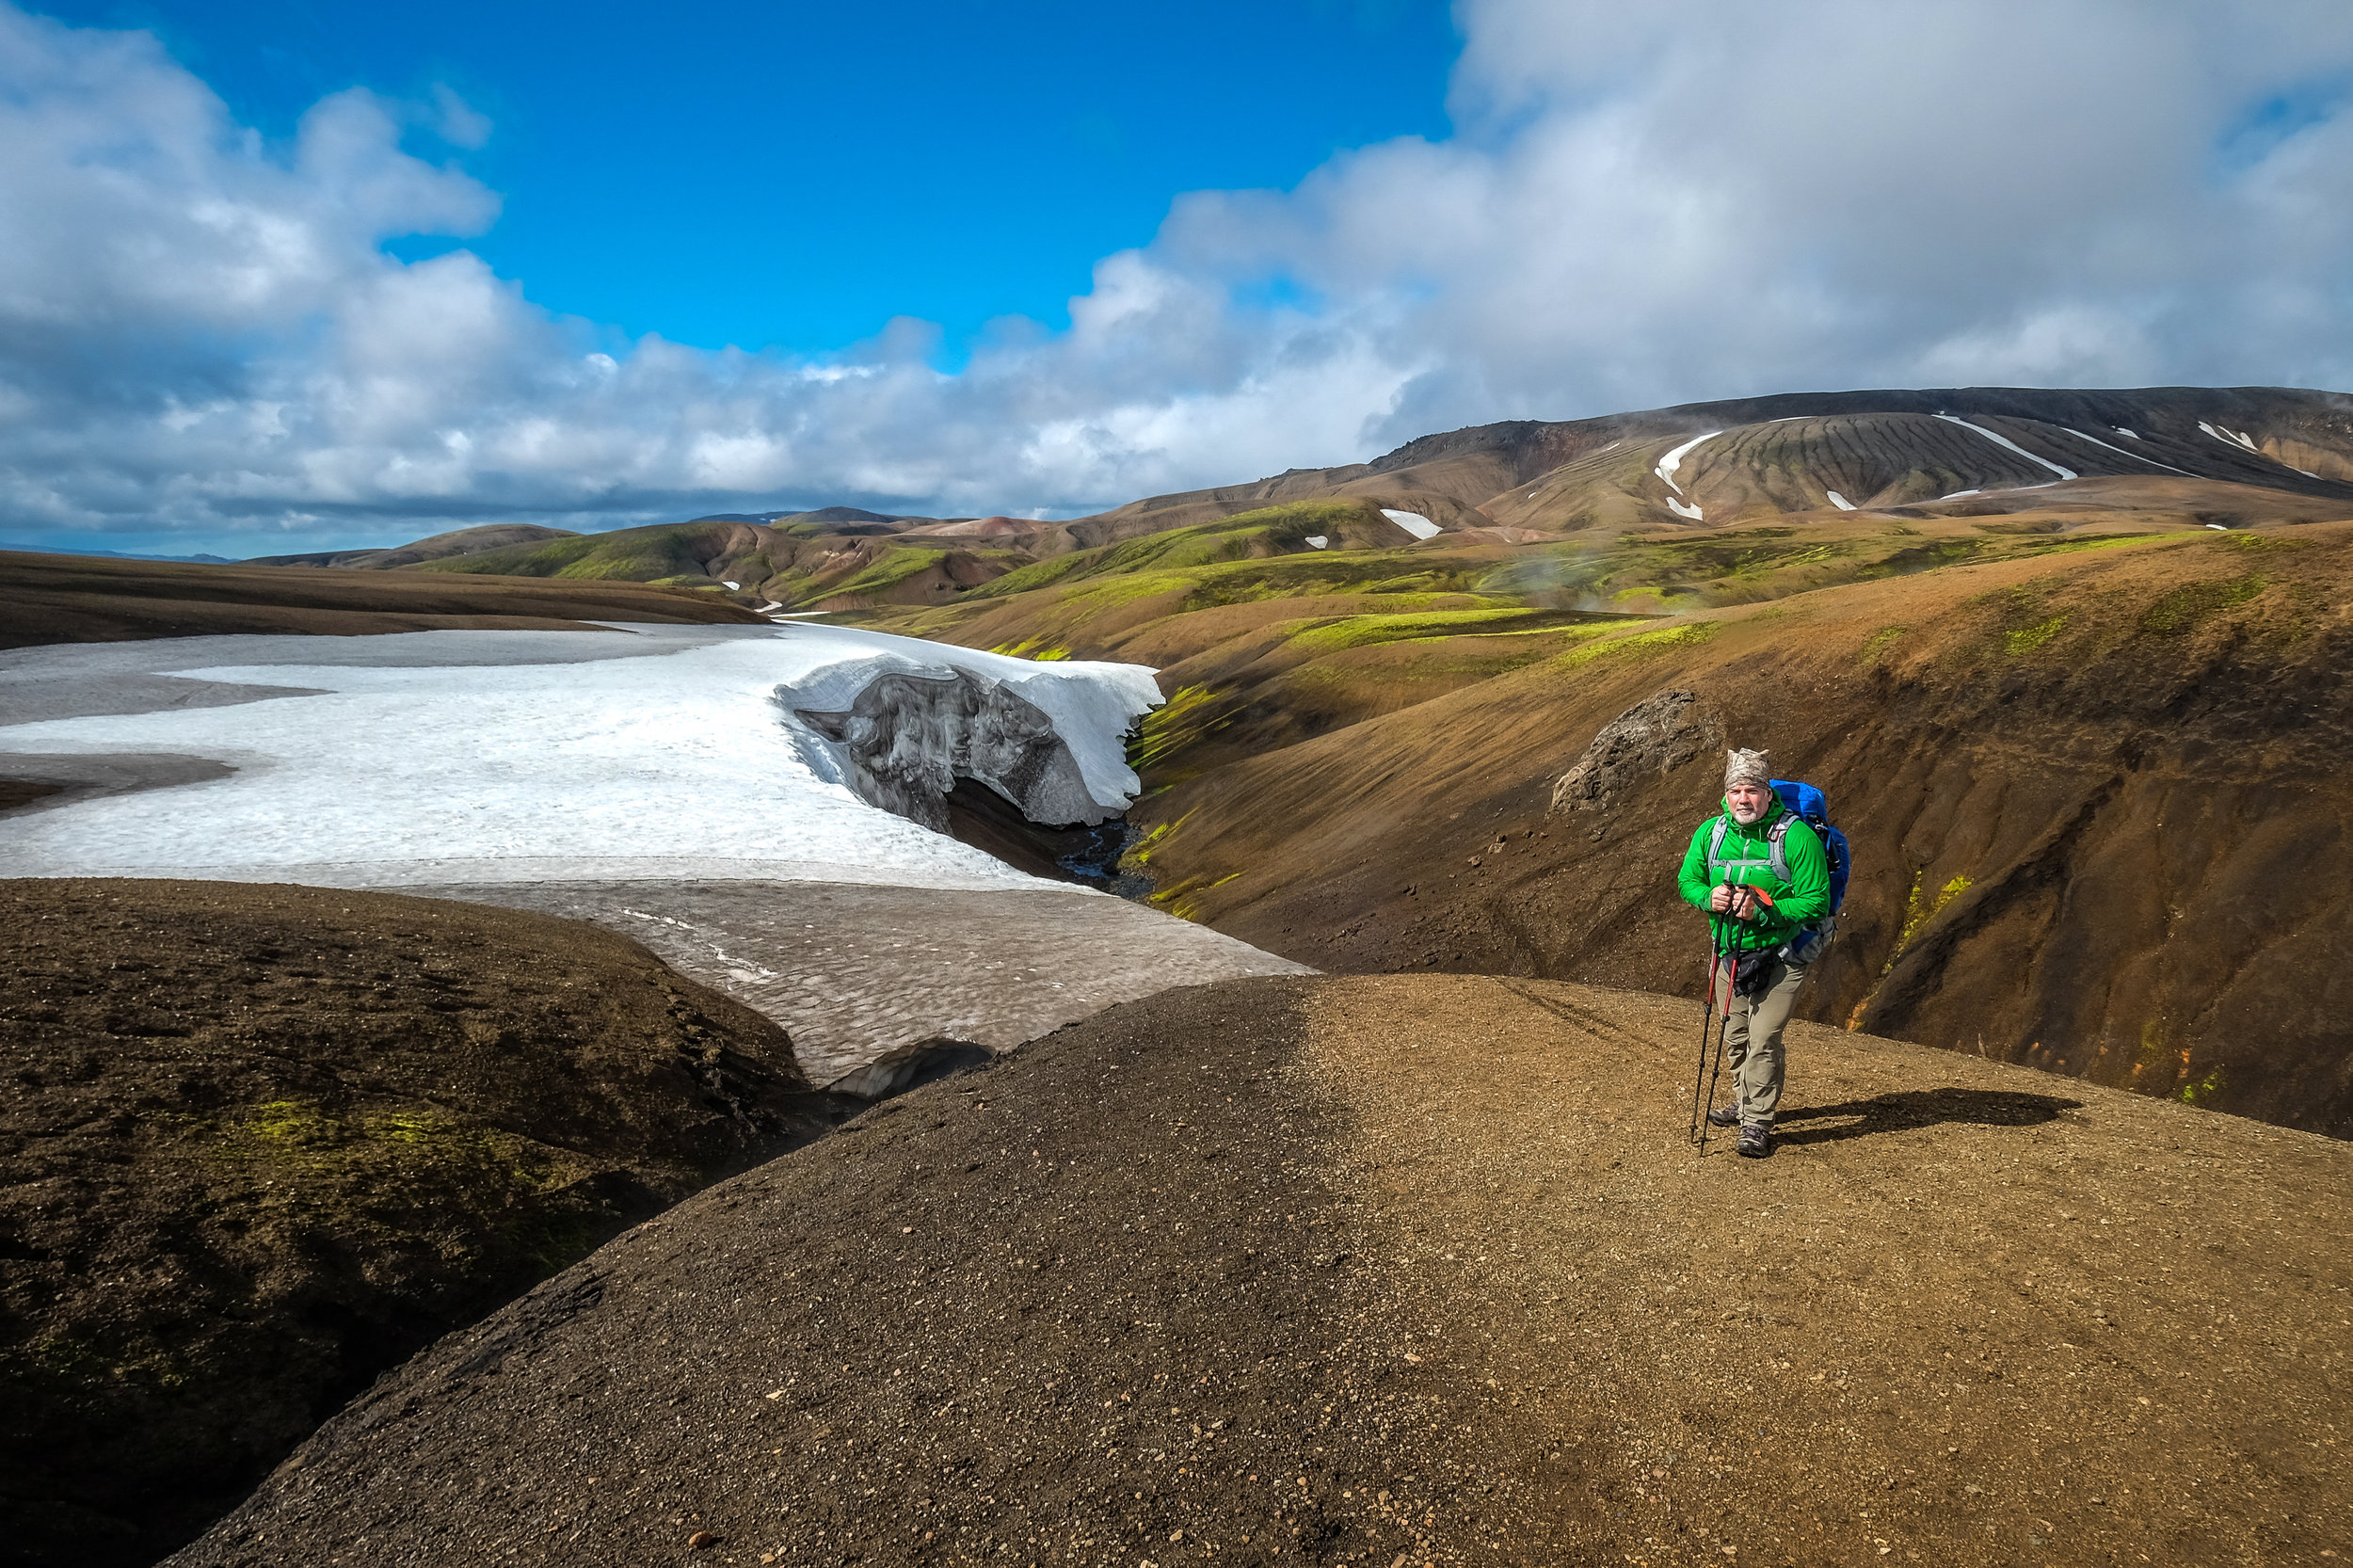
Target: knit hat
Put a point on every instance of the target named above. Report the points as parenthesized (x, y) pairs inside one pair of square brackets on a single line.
[(1746, 767)]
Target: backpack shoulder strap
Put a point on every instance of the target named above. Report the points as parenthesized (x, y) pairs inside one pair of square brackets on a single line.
[(1716, 848), (1775, 836)]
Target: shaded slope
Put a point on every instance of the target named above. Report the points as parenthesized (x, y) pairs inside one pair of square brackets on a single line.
[(2096, 796), (1404, 1269), (260, 1144), (73, 599)]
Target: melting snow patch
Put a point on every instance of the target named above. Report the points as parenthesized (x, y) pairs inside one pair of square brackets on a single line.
[(1958, 494), (2219, 528), (733, 588), (1674, 460), (1679, 509), (2233, 438), (2121, 453), (1317, 541), (2122, 431), (453, 756), (2005, 440), (1413, 523), (1839, 501)]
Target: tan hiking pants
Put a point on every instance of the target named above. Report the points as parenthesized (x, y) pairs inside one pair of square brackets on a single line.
[(1752, 1041)]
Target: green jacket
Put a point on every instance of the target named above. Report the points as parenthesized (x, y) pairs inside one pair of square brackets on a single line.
[(1746, 860)]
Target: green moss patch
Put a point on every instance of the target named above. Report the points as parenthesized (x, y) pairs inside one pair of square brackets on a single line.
[(2026, 639), (1640, 644), (2187, 606), (895, 568), (1367, 631)]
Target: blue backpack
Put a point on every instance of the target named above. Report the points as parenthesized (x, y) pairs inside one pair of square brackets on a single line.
[(1806, 804)]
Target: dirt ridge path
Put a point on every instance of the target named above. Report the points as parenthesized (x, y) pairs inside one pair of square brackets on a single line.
[(1405, 1271)]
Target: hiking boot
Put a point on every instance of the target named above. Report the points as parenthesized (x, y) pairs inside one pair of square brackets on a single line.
[(1724, 1115), (1756, 1143)]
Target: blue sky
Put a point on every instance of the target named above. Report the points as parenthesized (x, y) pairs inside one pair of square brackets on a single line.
[(278, 278), (795, 175)]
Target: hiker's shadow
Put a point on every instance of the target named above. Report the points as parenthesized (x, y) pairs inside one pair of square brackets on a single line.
[(1913, 1108)]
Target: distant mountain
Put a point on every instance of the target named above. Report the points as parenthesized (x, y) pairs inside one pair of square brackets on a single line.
[(116, 554), (2226, 456), (1739, 460)]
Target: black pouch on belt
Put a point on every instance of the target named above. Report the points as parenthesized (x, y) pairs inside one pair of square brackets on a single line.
[(1753, 974)]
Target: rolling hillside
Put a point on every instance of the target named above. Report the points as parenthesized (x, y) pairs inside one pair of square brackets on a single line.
[(2093, 775), (2229, 457)]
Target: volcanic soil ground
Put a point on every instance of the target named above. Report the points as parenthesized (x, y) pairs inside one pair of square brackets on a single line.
[(1405, 1270)]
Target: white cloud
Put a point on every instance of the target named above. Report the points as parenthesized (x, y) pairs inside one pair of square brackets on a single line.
[(1644, 204)]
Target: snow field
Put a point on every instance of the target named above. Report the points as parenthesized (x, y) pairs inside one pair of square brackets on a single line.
[(675, 759)]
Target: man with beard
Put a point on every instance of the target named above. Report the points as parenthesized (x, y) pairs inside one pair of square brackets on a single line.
[(1763, 876)]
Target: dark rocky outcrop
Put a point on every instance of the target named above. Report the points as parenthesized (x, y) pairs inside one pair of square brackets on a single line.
[(1657, 735), (908, 738), (260, 1143)]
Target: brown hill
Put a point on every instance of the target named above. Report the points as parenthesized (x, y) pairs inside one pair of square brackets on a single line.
[(67, 599), (833, 562), (1404, 1269), (463, 541), (260, 1144)]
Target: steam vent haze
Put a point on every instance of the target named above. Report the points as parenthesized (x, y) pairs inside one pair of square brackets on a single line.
[(1336, 782)]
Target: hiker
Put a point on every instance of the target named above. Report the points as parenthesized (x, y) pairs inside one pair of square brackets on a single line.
[(1766, 923)]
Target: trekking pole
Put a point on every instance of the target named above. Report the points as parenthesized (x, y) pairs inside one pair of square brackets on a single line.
[(1698, 1132), (1725, 960), (1708, 1012)]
